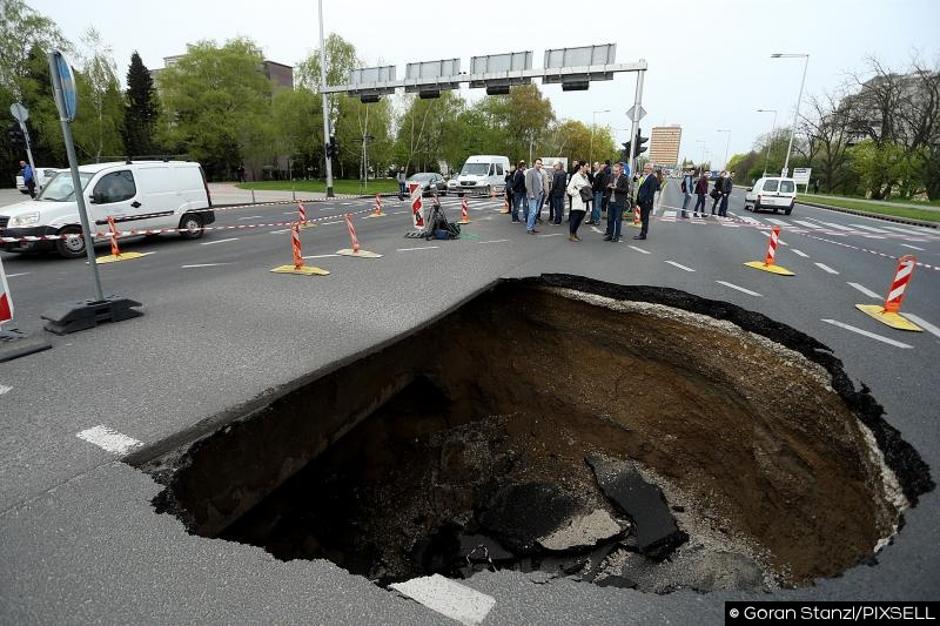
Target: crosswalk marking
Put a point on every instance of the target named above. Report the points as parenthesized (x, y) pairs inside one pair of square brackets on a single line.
[(880, 231), (907, 245), (774, 220), (807, 224), (865, 290)]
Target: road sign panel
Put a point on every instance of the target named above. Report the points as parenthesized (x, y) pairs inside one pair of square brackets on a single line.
[(67, 80), (19, 112), (801, 175), (639, 116)]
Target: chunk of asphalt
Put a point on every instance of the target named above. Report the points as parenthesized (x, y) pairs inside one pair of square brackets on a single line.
[(520, 514), (582, 531), (656, 530)]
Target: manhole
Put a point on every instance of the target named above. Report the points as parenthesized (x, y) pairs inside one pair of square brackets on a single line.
[(623, 436)]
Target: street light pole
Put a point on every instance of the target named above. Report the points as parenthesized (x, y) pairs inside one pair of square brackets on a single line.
[(326, 112), (799, 98), (593, 124), (635, 122), (773, 126), (727, 143)]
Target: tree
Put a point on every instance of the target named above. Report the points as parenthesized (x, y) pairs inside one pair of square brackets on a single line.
[(830, 128), (298, 128), (216, 107), (359, 122), (97, 128), (425, 128), (577, 141), (21, 30), (341, 59), (140, 110)]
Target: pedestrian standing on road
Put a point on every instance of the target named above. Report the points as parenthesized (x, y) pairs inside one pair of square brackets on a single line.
[(716, 191), (644, 199), (402, 183), (518, 193), (507, 189), (618, 190), (546, 188), (598, 182), (29, 179), (727, 185), (688, 184), (579, 190), (701, 190), (608, 172), (556, 206), (658, 200), (534, 190)]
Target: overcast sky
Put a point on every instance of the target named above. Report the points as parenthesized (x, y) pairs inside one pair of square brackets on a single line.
[(709, 64)]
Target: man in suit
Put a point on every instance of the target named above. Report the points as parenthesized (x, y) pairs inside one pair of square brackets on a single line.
[(518, 192), (534, 189), (618, 188), (688, 185), (644, 199), (556, 206)]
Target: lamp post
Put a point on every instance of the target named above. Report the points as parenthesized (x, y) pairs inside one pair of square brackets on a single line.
[(727, 143), (593, 123), (796, 112), (773, 126), (326, 109)]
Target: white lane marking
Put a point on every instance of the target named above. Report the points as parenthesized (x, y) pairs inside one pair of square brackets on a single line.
[(800, 253), (290, 212), (774, 220), (186, 267), (553, 235), (280, 232), (930, 328), (907, 245), (494, 241), (250, 217), (597, 230), (449, 598), (825, 268), (908, 231), (212, 243), (398, 212), (109, 440), (834, 225), (865, 290), (422, 248), (680, 266), (15, 275), (639, 249), (807, 224), (739, 288), (5, 389), (319, 256), (868, 236), (329, 223), (880, 231), (865, 333), (751, 220)]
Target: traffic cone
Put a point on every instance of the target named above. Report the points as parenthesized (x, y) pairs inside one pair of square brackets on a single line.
[(505, 209), (769, 263), (116, 254), (302, 216), (464, 211), (890, 312), (356, 250), (378, 207), (637, 222), (298, 267)]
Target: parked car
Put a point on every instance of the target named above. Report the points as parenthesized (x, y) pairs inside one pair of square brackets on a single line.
[(771, 193), (481, 174), (140, 195), (430, 182), (43, 176)]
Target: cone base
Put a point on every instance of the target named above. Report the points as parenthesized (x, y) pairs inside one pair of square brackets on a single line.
[(504, 212), (362, 254), (376, 215), (306, 270), (894, 320), (306, 226), (124, 256), (634, 225), (463, 222), (773, 269)]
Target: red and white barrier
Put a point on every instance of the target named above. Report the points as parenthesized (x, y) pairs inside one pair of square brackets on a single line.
[(772, 244), (113, 236), (378, 206), (902, 277), (352, 233), (417, 205), (6, 300), (301, 213), (296, 247), (464, 211)]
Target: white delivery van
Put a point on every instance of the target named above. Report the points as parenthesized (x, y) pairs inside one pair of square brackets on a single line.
[(138, 195), (771, 193), (481, 174)]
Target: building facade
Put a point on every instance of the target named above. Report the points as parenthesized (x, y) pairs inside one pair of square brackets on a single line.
[(664, 144)]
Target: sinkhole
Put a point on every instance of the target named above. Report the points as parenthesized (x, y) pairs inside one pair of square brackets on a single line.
[(623, 436)]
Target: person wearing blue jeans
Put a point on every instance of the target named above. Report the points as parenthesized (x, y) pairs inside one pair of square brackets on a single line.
[(534, 190), (598, 182), (618, 189), (518, 192)]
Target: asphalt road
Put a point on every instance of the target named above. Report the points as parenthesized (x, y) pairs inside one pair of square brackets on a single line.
[(79, 541)]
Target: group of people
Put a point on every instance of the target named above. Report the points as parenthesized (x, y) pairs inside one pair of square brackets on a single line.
[(603, 188)]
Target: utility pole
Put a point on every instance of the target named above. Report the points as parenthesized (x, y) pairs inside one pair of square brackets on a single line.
[(326, 109), (796, 112), (637, 115)]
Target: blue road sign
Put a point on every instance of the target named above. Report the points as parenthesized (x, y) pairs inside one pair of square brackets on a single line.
[(67, 80)]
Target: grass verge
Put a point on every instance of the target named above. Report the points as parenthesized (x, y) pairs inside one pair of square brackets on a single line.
[(924, 215)]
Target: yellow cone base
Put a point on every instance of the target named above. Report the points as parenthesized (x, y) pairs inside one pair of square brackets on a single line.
[(502, 212), (124, 256), (464, 222), (773, 269), (376, 215), (362, 254), (637, 225), (307, 270), (894, 320)]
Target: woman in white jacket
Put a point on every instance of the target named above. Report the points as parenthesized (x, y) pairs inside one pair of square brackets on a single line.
[(578, 181)]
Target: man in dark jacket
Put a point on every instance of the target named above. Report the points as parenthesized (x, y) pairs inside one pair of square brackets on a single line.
[(726, 186), (598, 183), (618, 190), (556, 198), (644, 199), (518, 192)]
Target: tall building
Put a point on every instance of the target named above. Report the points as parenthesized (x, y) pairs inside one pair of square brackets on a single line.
[(664, 144)]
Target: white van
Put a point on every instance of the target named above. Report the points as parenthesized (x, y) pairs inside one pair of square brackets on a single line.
[(481, 174), (138, 195), (771, 193)]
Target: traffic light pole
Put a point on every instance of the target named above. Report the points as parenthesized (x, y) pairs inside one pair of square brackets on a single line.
[(635, 125), (326, 110)]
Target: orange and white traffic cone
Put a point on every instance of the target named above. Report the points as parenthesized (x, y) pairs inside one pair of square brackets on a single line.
[(298, 266), (378, 207), (464, 211), (302, 217), (769, 264), (115, 250), (417, 205), (890, 312), (637, 222), (116, 254), (356, 249)]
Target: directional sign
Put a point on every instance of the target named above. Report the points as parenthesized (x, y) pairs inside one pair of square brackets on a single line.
[(801, 175), (6, 302), (68, 107), (19, 112), (639, 117)]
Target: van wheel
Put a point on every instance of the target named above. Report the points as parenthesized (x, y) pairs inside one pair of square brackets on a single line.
[(191, 226), (788, 211), (73, 247), (756, 208), (775, 210)]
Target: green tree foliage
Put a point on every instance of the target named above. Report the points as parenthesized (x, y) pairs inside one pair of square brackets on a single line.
[(216, 104), (357, 122), (298, 127), (522, 119), (575, 140), (97, 128), (140, 110), (426, 129)]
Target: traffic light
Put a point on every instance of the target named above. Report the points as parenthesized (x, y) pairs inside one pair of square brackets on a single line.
[(625, 153), (332, 148), (17, 138), (639, 141)]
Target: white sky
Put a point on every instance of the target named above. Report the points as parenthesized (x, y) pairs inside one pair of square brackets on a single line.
[(709, 64)]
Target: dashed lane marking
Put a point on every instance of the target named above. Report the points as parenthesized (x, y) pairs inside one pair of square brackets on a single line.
[(320, 256), (109, 440), (552, 235), (212, 243), (907, 245), (880, 231), (421, 248), (639, 249), (20, 274), (5, 389), (494, 241), (680, 266), (449, 598), (739, 288), (930, 328), (195, 265), (259, 217), (865, 290), (799, 253), (825, 268), (280, 232), (807, 224), (865, 333)]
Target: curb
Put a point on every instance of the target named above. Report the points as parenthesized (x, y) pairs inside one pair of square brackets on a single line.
[(877, 216)]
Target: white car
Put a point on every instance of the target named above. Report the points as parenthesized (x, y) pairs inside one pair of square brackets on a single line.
[(771, 193), (43, 176), (142, 195)]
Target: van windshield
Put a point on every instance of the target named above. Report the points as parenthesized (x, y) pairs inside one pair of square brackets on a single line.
[(59, 188), (475, 169)]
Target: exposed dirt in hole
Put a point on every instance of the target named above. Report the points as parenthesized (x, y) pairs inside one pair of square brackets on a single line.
[(520, 402)]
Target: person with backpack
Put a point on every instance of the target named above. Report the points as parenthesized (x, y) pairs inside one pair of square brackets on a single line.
[(701, 190), (580, 193)]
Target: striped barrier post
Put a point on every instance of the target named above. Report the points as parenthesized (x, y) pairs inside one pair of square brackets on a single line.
[(772, 244), (417, 205), (356, 249), (6, 300), (889, 313), (464, 211), (769, 264), (378, 206), (296, 247), (112, 235), (116, 254), (352, 233), (298, 266)]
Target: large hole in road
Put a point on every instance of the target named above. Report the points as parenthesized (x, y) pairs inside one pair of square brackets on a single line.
[(624, 436)]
